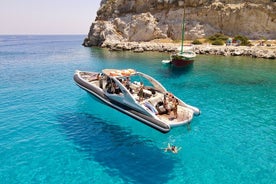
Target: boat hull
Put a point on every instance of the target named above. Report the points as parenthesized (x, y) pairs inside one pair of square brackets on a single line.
[(182, 62)]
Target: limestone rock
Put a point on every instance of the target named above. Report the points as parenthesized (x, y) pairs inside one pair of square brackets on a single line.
[(102, 31), (146, 20), (143, 27)]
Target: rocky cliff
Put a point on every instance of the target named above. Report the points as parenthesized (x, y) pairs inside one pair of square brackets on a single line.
[(147, 20)]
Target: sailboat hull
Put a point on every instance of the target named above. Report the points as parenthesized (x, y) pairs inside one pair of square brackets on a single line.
[(182, 62)]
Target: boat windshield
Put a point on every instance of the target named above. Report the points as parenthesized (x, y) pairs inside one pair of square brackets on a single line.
[(140, 79)]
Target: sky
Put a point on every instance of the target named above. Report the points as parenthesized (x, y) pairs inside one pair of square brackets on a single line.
[(47, 16)]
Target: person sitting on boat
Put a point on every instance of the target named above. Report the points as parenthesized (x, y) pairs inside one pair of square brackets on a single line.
[(172, 148), (108, 86), (100, 78), (117, 89), (111, 87), (127, 84)]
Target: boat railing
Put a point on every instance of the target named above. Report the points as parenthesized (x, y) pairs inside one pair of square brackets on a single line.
[(157, 85)]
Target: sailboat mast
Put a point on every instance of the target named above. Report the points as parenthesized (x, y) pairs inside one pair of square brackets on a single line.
[(183, 28)]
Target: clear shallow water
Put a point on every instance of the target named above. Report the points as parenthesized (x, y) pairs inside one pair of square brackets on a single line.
[(53, 132)]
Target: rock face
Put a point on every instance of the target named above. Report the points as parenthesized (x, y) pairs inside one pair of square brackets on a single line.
[(146, 20)]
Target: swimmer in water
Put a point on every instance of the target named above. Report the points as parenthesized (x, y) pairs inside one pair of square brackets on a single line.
[(172, 148)]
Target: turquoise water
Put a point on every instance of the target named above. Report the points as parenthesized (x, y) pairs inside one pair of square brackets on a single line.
[(54, 132)]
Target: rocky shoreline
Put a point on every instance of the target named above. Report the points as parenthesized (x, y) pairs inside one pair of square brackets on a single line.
[(252, 51)]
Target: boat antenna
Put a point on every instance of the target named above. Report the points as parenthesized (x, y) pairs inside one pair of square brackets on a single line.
[(183, 28)]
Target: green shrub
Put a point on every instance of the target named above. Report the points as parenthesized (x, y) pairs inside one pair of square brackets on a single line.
[(218, 36), (197, 42), (243, 40), (217, 42), (217, 39)]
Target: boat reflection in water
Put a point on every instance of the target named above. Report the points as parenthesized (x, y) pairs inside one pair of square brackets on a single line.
[(116, 150)]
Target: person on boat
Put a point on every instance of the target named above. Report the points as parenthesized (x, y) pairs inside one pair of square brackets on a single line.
[(141, 92), (165, 102), (175, 104), (100, 78), (108, 86), (172, 148), (117, 89), (127, 84), (111, 87), (169, 102)]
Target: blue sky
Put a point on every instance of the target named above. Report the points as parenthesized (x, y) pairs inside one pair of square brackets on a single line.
[(47, 16)]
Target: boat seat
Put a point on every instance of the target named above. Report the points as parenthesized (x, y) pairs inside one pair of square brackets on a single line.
[(155, 100), (157, 103), (134, 87), (161, 108)]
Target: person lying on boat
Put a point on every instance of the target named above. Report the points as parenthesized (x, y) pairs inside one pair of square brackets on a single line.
[(172, 148)]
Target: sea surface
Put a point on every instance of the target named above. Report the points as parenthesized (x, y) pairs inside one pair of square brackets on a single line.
[(54, 132)]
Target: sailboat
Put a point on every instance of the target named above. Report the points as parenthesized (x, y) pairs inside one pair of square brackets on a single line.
[(184, 57)]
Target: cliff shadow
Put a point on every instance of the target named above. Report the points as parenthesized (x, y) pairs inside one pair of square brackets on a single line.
[(122, 154)]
